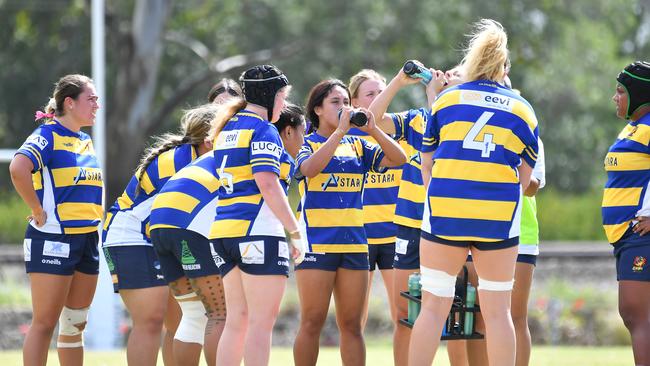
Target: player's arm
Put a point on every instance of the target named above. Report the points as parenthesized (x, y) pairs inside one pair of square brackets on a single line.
[(20, 170)]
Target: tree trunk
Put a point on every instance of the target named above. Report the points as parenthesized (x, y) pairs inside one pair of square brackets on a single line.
[(136, 78)]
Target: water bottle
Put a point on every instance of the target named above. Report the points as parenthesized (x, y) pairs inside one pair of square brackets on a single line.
[(416, 70), (357, 118), (415, 289), (469, 316)]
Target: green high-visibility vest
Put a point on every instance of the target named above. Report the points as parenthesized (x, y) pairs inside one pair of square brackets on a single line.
[(529, 237)]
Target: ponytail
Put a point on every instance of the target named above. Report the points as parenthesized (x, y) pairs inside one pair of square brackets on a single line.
[(487, 55), (195, 125), (226, 111)]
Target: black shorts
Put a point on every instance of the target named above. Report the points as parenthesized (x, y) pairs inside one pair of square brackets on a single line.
[(134, 267), (256, 255), (184, 253), (333, 261), (61, 254), (407, 248), (632, 253), (480, 245), (521, 258), (381, 256)]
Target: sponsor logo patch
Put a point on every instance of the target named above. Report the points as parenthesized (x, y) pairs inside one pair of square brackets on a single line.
[(489, 100), (55, 262), (283, 250), (266, 148), (309, 258), (401, 246), (639, 263), (27, 249), (56, 249), (218, 261), (227, 140), (252, 252), (40, 141)]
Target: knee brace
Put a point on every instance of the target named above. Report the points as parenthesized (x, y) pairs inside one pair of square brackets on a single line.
[(438, 283), (487, 285), (192, 326), (72, 323)]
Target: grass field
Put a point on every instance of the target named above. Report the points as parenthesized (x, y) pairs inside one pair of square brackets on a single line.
[(381, 354)]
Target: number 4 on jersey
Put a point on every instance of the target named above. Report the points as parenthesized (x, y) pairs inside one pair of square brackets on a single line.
[(486, 146)]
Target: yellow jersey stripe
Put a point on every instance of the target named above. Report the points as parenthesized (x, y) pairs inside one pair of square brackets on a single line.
[(252, 199), (464, 208), (621, 197), (624, 161), (339, 248), (229, 228), (456, 131), (615, 232), (334, 217), (412, 192), (474, 171), (69, 211), (176, 200)]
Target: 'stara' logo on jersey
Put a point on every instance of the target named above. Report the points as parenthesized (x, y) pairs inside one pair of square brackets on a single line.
[(332, 181), (416, 158), (611, 161), (87, 174), (634, 129)]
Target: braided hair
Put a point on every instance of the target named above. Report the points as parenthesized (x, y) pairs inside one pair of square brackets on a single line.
[(195, 126)]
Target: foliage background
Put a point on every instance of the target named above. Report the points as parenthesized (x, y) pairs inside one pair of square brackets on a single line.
[(164, 55)]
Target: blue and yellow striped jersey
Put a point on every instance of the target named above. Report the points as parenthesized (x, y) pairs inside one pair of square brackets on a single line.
[(189, 199), (480, 132), (332, 210), (127, 221), (409, 127), (379, 198), (248, 144), (66, 177), (628, 175)]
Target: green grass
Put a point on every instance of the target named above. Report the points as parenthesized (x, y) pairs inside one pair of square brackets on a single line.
[(565, 216), (381, 354), (12, 218), (14, 295)]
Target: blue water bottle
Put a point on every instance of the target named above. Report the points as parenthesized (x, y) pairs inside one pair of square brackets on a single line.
[(415, 289), (469, 316), (416, 70)]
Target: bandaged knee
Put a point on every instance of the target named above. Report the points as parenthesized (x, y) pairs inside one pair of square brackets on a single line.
[(487, 285), (192, 326), (438, 283), (72, 323)]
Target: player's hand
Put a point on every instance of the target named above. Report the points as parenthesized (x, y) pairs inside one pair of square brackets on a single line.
[(371, 125), (642, 226), (344, 119), (38, 216), (403, 80), (298, 247)]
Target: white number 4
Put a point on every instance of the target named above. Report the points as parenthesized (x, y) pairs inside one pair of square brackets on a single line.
[(225, 178), (486, 146)]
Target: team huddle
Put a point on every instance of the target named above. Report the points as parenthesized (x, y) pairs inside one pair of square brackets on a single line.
[(203, 236)]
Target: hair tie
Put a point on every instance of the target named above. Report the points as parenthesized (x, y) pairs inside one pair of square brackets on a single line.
[(40, 115)]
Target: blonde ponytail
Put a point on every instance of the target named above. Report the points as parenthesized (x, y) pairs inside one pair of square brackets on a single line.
[(487, 54), (226, 111), (195, 126)]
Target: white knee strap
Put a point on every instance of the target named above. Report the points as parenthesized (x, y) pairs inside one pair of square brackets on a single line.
[(192, 326), (438, 283), (72, 323), (484, 284)]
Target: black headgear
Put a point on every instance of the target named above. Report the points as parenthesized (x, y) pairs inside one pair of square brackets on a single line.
[(635, 78), (261, 83)]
